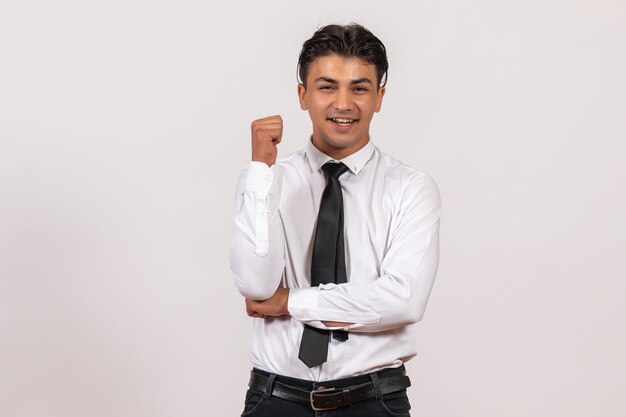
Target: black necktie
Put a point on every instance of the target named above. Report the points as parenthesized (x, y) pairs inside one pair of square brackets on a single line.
[(328, 264)]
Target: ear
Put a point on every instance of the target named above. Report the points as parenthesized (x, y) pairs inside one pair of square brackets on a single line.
[(379, 99), (301, 93)]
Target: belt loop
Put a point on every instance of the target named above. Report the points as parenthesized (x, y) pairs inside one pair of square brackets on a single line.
[(376, 384), (269, 386)]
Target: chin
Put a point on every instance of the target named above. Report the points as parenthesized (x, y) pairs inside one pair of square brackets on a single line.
[(340, 144), (341, 141)]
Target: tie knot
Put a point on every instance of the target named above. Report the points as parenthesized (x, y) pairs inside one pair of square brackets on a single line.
[(334, 170)]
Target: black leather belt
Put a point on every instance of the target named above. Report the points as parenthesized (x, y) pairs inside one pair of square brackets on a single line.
[(323, 398)]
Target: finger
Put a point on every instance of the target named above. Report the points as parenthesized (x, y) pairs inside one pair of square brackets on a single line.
[(249, 310), (266, 122), (264, 132), (272, 131), (273, 118)]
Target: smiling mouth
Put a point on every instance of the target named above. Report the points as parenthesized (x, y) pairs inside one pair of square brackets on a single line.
[(342, 122)]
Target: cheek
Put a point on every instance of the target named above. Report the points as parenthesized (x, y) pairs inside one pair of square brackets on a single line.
[(367, 111), (319, 110), (367, 105)]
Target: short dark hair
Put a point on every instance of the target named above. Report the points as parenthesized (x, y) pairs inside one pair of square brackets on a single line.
[(351, 40)]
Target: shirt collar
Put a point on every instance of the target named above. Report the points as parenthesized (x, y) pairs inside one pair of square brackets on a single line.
[(354, 162)]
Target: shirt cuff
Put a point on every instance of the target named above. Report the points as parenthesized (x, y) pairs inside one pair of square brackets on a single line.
[(302, 303), (260, 177), (263, 179)]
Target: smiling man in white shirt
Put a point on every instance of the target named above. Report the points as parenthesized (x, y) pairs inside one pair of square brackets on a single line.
[(333, 338)]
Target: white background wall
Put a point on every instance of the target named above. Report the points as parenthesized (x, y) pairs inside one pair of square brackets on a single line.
[(124, 125)]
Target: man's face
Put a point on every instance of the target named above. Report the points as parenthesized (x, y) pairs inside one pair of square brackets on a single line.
[(341, 96)]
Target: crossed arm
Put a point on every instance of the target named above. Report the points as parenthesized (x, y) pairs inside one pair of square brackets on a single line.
[(277, 305), (395, 299)]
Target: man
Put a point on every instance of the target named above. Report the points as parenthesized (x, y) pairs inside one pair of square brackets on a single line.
[(335, 246)]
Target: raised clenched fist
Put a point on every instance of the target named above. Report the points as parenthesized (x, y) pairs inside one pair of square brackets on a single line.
[(266, 134)]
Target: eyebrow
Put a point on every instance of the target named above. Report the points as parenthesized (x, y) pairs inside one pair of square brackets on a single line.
[(364, 80)]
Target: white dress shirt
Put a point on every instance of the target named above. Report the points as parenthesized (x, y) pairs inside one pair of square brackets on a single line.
[(391, 232)]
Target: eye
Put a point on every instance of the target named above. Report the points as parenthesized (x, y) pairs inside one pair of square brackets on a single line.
[(326, 87), (360, 89)]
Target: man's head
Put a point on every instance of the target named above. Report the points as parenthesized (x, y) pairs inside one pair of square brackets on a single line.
[(343, 72)]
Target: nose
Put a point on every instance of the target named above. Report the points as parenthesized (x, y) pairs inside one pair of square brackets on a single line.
[(343, 101)]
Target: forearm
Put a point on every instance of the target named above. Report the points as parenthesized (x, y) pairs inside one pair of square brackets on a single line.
[(357, 314), (362, 312)]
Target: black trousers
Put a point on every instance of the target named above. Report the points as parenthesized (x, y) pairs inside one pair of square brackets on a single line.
[(262, 404)]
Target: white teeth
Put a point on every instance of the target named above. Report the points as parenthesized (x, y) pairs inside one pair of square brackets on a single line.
[(344, 121)]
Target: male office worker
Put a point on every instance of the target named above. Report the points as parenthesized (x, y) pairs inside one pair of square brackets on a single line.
[(335, 246)]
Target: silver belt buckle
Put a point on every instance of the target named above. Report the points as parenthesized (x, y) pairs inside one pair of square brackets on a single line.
[(317, 391)]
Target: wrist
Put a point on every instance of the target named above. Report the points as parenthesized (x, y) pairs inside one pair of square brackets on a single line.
[(285, 303), (267, 161)]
